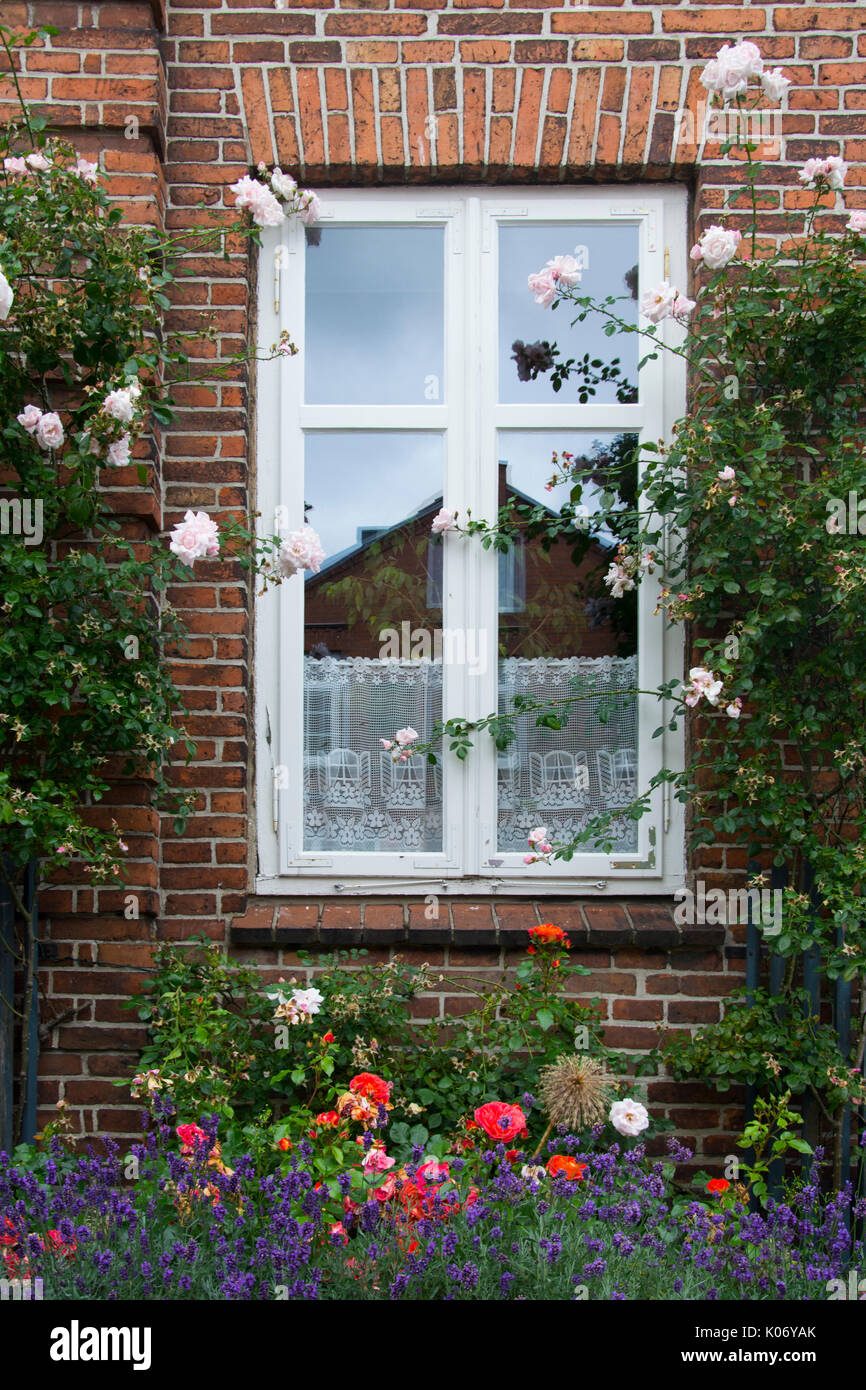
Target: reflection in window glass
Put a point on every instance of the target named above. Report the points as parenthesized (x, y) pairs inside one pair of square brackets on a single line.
[(609, 257), (371, 661), (375, 316), (568, 638)]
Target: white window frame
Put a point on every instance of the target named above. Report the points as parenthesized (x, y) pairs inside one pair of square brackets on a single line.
[(471, 417)]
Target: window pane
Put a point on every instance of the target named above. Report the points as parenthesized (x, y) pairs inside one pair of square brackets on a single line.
[(372, 664), (569, 637), (608, 253), (375, 316)]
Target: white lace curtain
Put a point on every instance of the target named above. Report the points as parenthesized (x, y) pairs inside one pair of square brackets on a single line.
[(357, 798)]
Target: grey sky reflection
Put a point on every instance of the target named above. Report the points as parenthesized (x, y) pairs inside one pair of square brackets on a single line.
[(368, 479), (612, 250), (375, 316)]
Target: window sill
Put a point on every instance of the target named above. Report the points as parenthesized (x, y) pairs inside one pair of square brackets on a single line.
[(329, 923)]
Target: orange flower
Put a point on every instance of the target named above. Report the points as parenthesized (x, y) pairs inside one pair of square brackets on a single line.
[(549, 935), (718, 1185), (285, 1145), (560, 1166)]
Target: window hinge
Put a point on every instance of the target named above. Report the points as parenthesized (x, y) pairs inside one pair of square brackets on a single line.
[(666, 802), (667, 262), (275, 778)]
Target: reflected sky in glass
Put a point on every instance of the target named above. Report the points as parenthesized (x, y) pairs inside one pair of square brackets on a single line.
[(611, 251), (368, 480), (528, 455), (375, 316)]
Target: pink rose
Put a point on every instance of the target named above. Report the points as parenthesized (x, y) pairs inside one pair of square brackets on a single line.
[(726, 474), (658, 304), (194, 538), (37, 161), (120, 405), (774, 83), (443, 521), (683, 307), (259, 201), (118, 452), (564, 271), (283, 184), (703, 685), (543, 286), (433, 1172), (404, 737), (727, 75), (29, 418), (377, 1161), (49, 431), (832, 171), (716, 247), (301, 550), (857, 220), (311, 207), (14, 165), (85, 170)]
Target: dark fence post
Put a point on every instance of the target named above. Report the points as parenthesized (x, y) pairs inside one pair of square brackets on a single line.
[(776, 1171), (7, 1019), (842, 1021), (812, 985), (29, 1098), (753, 980)]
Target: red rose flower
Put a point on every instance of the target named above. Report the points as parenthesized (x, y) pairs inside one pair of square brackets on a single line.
[(328, 1037), (549, 935), (189, 1136), (285, 1145), (368, 1084), (501, 1121), (718, 1185), (560, 1166), (328, 1117), (512, 1155)]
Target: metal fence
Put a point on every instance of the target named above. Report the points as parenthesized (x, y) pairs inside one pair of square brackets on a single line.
[(840, 1001)]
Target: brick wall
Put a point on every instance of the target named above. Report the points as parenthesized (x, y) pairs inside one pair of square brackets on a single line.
[(178, 102)]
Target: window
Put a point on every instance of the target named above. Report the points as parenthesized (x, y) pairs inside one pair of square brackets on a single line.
[(411, 391)]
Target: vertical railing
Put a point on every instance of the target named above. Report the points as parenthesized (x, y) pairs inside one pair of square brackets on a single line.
[(841, 1004), (7, 1019), (10, 954)]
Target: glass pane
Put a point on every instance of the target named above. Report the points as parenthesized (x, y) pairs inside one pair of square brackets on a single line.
[(563, 635), (375, 316), (608, 255), (372, 663)]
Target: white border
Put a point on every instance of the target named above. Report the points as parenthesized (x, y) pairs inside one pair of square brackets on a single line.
[(468, 216)]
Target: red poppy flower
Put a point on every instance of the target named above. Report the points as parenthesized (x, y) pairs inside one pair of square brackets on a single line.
[(501, 1121), (560, 1166), (718, 1185), (368, 1084)]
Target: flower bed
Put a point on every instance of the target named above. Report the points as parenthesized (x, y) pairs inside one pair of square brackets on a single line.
[(587, 1225), (337, 1217)]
